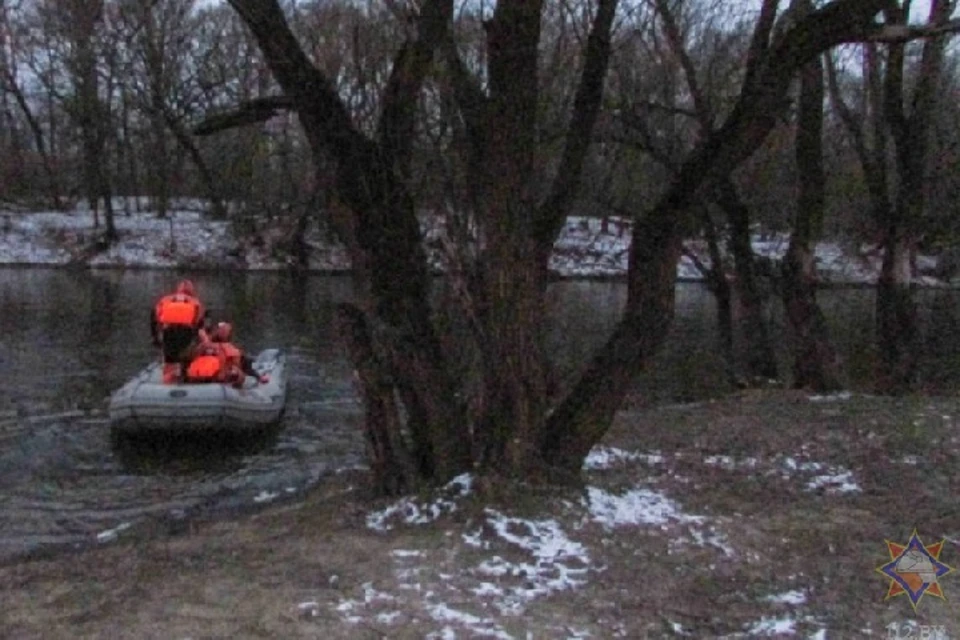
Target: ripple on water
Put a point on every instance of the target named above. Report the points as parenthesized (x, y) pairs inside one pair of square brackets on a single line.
[(63, 481)]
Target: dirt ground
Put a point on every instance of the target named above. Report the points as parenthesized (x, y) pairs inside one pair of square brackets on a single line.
[(785, 503)]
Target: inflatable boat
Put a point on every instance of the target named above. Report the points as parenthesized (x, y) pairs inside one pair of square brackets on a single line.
[(146, 404)]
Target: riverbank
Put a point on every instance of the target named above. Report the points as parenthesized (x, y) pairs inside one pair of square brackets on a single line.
[(673, 535), (187, 239)]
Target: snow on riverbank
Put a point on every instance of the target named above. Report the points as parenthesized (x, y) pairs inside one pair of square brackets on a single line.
[(586, 248)]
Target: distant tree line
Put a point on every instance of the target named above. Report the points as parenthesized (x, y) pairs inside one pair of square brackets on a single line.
[(133, 77), (689, 118)]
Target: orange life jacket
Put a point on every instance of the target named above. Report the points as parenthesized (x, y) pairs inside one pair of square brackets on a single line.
[(179, 309), (209, 365)]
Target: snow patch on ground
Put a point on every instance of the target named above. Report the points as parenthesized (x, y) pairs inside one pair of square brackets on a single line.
[(602, 457), (829, 478), (832, 479), (444, 613), (634, 507), (109, 535), (794, 597), (831, 397), (552, 561), (265, 496), (772, 626), (643, 506), (730, 463), (777, 626), (410, 511)]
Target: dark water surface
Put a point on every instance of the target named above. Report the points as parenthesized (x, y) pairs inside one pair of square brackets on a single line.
[(67, 339)]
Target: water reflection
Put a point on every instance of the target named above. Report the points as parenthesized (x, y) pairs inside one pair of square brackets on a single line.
[(184, 452)]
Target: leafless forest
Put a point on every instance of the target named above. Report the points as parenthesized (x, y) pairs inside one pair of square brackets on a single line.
[(690, 117)]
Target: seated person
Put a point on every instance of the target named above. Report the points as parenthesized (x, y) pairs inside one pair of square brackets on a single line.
[(209, 364), (219, 360)]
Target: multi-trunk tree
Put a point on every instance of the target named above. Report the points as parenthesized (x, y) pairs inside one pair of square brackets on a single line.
[(892, 139), (424, 422)]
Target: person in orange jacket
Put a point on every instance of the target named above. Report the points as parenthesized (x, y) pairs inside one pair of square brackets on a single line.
[(209, 364), (177, 327), (219, 360), (237, 365)]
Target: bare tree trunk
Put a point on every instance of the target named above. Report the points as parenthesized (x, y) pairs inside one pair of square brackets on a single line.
[(513, 314), (377, 220), (53, 129), (898, 335), (716, 280), (723, 296), (90, 112), (156, 106), (586, 413), (392, 469), (161, 167), (761, 363), (124, 157), (815, 362), (8, 73), (896, 318), (301, 249)]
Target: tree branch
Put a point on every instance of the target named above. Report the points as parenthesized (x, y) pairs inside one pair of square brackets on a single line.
[(327, 118), (470, 98), (249, 112), (668, 109), (695, 259), (850, 121), (931, 62), (907, 32), (585, 414), (410, 66), (763, 97), (586, 107), (647, 142), (700, 103), (893, 80), (760, 41)]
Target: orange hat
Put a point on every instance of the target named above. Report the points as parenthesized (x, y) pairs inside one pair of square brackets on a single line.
[(186, 287)]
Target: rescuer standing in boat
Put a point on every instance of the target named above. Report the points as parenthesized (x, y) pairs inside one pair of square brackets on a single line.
[(176, 326)]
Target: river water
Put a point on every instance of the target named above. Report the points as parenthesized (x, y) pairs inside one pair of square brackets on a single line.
[(67, 339)]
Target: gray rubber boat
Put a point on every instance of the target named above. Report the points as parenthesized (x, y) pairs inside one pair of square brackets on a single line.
[(145, 404)]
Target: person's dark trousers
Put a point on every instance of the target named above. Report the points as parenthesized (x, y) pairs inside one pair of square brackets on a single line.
[(176, 343)]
